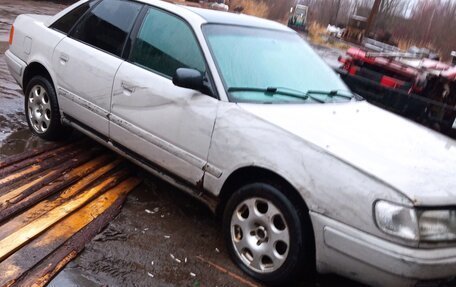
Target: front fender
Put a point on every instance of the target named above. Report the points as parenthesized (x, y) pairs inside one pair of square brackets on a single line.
[(327, 184)]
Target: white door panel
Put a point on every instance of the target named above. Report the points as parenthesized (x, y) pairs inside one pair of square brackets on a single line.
[(153, 153), (175, 123), (85, 76)]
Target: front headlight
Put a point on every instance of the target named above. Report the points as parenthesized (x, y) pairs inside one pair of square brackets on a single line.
[(437, 225), (415, 224), (397, 220)]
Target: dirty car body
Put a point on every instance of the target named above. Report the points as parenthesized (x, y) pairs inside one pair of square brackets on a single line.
[(226, 108)]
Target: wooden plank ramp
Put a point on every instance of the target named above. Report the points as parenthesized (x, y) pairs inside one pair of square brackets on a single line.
[(53, 201)]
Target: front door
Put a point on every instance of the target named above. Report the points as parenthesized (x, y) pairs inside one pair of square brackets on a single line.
[(169, 126), (87, 61)]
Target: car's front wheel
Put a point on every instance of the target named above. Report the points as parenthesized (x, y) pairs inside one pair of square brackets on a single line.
[(266, 236), (42, 110)]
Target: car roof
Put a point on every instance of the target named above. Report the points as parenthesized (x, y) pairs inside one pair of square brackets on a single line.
[(220, 17)]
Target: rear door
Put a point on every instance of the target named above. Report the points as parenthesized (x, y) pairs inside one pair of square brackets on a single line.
[(85, 62), (169, 126)]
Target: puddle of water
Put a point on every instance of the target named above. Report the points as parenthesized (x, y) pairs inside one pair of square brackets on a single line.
[(71, 277), (19, 141), (12, 117)]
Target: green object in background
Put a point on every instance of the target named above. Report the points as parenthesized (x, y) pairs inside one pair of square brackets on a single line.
[(298, 17)]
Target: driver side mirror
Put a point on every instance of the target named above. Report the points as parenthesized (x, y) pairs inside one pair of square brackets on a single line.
[(191, 79)]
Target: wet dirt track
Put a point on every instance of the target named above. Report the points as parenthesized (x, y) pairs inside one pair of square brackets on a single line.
[(161, 237), (11, 8)]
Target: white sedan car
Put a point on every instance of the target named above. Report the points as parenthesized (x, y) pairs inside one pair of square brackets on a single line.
[(242, 114)]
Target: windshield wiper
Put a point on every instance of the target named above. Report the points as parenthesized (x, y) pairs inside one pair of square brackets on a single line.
[(271, 91), (331, 94)]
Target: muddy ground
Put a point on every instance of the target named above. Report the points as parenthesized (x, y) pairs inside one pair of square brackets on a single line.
[(138, 247)]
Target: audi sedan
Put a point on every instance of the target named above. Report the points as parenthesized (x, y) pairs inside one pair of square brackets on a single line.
[(243, 115)]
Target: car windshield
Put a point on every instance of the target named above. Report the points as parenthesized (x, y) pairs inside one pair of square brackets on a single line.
[(268, 66)]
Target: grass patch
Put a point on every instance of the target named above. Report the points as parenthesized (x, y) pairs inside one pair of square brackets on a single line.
[(256, 8)]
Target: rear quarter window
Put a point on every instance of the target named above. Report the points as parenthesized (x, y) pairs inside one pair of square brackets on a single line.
[(107, 25), (67, 21)]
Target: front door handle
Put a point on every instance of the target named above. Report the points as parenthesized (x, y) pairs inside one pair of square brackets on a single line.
[(128, 89)]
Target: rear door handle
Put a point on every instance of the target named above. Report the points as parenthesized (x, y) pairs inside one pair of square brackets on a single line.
[(64, 58)]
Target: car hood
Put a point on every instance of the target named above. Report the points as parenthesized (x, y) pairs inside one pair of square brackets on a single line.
[(416, 161)]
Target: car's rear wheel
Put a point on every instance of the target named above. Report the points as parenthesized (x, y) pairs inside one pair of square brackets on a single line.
[(42, 110), (265, 235)]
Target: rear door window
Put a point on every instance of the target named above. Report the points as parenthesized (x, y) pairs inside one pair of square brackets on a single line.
[(107, 26), (67, 21), (165, 43)]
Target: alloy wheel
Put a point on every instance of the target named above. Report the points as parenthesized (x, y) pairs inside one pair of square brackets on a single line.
[(260, 235), (39, 109)]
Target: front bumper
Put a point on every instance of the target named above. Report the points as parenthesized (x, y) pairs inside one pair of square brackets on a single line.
[(366, 258), (16, 66)]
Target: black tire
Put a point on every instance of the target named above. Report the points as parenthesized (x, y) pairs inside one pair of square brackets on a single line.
[(47, 125), (299, 262)]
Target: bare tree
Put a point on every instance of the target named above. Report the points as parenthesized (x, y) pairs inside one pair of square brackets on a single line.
[(425, 23)]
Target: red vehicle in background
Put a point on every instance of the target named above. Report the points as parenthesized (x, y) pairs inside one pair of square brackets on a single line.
[(408, 84)]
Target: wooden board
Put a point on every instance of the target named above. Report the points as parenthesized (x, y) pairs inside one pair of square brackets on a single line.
[(52, 202)]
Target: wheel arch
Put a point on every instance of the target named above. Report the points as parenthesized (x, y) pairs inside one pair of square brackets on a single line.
[(248, 174), (57, 130), (33, 69)]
